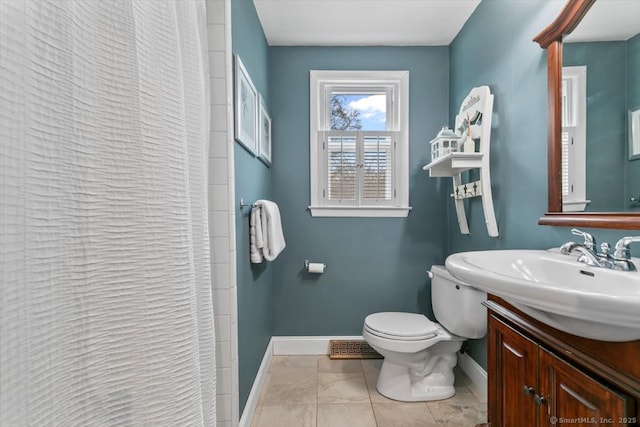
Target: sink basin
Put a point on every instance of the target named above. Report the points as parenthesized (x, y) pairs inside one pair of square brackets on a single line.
[(586, 301)]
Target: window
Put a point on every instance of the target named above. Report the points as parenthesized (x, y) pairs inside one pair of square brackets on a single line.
[(359, 143), (574, 138)]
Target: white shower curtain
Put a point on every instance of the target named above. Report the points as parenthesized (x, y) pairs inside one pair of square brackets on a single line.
[(106, 316)]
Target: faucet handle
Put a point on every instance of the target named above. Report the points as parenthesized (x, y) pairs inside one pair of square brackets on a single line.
[(589, 240), (622, 247)]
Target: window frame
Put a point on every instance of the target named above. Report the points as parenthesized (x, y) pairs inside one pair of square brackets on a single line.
[(574, 151), (396, 85)]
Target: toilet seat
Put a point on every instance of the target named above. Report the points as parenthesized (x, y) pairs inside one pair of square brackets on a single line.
[(400, 326)]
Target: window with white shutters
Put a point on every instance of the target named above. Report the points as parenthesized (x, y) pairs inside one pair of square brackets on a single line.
[(359, 167), (359, 143)]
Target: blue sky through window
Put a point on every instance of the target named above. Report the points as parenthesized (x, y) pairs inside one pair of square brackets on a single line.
[(372, 109)]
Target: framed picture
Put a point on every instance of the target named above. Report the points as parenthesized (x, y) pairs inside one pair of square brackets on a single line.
[(634, 134), (246, 99), (264, 132)]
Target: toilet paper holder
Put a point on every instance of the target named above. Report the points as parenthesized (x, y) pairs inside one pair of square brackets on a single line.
[(307, 263)]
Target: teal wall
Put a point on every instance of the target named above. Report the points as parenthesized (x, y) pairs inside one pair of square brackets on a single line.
[(633, 73), (606, 120), (252, 182), (373, 264), (633, 103), (495, 48)]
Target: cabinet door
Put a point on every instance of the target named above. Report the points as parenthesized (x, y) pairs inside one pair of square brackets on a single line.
[(576, 399), (513, 364)]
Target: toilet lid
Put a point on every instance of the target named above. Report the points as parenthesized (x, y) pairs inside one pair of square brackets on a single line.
[(409, 326)]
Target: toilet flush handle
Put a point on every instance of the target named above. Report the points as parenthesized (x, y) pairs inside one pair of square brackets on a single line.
[(430, 274)]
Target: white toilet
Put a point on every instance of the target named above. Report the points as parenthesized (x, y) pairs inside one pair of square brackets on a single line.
[(419, 355)]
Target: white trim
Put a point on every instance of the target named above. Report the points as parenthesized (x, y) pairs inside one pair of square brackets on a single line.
[(634, 134), (258, 384), (575, 205), (305, 346), (363, 211), (474, 371)]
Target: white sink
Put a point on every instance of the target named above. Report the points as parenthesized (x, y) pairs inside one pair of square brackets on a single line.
[(590, 302)]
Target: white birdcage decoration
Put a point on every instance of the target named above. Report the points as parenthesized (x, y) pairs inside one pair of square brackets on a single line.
[(444, 143)]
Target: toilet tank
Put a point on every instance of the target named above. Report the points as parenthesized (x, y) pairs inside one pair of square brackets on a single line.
[(456, 305)]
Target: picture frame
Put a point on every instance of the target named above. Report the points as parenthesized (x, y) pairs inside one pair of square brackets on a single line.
[(264, 133), (634, 134), (246, 105)]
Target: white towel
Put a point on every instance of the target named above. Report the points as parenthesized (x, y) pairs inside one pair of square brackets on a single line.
[(255, 235), (266, 231)]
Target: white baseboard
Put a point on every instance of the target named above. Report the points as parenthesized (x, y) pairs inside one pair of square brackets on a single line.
[(317, 346), (474, 371), (300, 346), (258, 384)]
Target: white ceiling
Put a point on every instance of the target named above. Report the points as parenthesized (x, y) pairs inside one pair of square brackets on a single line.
[(608, 20), (411, 22), (363, 22)]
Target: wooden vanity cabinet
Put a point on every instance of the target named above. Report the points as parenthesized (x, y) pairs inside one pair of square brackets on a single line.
[(539, 376), (513, 373)]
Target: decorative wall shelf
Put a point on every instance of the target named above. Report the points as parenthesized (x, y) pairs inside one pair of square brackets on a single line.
[(475, 112), (454, 164)]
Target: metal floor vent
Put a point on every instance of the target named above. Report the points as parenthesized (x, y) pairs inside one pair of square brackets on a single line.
[(352, 349)]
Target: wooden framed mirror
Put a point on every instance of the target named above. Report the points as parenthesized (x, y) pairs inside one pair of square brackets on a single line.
[(551, 39)]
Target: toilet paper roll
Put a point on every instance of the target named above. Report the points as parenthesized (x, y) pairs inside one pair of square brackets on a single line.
[(316, 267)]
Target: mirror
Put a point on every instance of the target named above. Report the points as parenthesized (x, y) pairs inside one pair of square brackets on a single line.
[(551, 38), (601, 82)]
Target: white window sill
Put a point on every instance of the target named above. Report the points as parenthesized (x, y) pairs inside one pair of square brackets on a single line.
[(574, 205), (364, 211)]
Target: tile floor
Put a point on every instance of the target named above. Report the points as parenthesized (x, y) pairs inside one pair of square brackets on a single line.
[(315, 391)]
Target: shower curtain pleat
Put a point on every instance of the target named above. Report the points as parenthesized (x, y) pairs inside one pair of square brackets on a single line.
[(106, 314)]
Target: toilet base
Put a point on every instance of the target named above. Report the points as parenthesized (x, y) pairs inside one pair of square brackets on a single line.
[(430, 379)]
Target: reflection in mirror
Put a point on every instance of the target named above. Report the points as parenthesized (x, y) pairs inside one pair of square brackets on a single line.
[(574, 137), (600, 89), (634, 134)]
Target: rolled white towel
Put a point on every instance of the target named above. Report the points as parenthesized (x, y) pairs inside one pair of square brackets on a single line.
[(272, 236), (255, 235)]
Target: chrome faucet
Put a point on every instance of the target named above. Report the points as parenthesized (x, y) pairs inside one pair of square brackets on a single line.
[(621, 259), (588, 255)]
